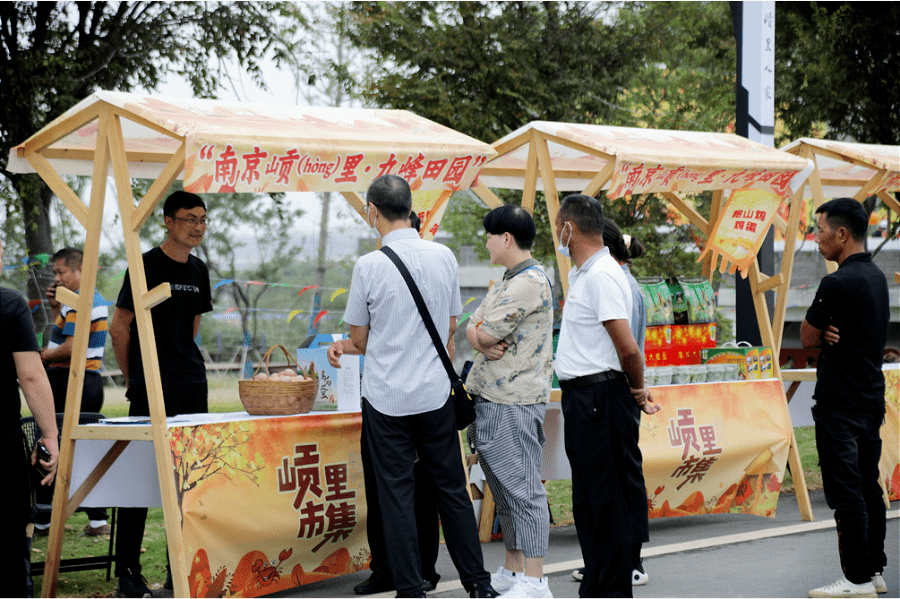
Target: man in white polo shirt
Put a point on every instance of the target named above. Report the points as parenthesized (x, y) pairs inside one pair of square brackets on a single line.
[(601, 374), (406, 412)]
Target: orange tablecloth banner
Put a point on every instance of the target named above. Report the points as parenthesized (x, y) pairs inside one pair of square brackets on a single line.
[(716, 448), (890, 434), (301, 477)]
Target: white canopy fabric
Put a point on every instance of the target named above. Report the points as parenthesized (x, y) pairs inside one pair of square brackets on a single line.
[(237, 147), (645, 160), (845, 167)]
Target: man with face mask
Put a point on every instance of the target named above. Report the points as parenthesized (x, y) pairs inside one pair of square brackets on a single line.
[(601, 374)]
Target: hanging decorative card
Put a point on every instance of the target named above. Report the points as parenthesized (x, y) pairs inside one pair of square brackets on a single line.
[(741, 228), (430, 206)]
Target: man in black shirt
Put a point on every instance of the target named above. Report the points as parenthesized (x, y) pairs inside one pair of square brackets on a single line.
[(176, 323), (20, 366), (849, 320)]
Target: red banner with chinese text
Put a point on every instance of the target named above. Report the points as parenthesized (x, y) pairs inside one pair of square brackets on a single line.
[(741, 228), (303, 477), (699, 457), (234, 165)]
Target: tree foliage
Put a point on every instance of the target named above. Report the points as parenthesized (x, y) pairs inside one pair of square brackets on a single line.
[(837, 63), (54, 54), (487, 68), (686, 80)]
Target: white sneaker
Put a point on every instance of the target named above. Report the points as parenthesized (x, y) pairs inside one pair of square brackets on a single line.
[(526, 587), (879, 583), (639, 578), (844, 588), (504, 580)]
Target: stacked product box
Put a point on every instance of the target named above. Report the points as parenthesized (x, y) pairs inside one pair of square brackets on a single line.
[(681, 320), (755, 362)]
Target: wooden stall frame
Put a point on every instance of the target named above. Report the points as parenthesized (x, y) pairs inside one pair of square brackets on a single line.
[(859, 190), (539, 164), (110, 153)]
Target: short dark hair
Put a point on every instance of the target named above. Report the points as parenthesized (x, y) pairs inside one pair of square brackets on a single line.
[(613, 239), (514, 220), (585, 211), (414, 221), (846, 212), (181, 199), (635, 248), (392, 196), (72, 256)]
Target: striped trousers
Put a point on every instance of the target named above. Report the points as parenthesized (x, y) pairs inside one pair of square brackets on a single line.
[(510, 440)]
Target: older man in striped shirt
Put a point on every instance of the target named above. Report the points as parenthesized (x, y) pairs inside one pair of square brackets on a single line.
[(406, 412)]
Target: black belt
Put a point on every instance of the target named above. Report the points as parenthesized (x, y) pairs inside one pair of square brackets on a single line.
[(590, 379)]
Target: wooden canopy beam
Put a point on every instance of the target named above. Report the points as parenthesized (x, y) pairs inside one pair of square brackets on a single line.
[(688, 211), (59, 187), (487, 196), (551, 197)]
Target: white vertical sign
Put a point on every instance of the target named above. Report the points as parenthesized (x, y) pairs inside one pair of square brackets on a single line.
[(758, 69)]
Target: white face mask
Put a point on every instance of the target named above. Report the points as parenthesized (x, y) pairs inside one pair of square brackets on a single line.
[(373, 223), (563, 248)]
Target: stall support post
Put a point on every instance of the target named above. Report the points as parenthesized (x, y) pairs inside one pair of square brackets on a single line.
[(92, 220), (144, 301)]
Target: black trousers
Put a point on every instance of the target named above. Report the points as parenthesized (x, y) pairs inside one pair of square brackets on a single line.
[(91, 394), (91, 401), (849, 445), (14, 567), (394, 443), (609, 497), (131, 521), (426, 517)]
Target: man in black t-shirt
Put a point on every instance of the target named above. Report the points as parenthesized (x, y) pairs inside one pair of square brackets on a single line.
[(176, 323), (20, 365), (849, 320)]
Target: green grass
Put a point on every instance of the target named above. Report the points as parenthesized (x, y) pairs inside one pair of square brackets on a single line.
[(809, 457), (224, 398)]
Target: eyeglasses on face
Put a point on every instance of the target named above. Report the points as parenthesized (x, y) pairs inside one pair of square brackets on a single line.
[(193, 221)]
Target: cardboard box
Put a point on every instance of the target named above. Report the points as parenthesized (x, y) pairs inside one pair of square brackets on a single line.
[(677, 345), (339, 389), (752, 366)]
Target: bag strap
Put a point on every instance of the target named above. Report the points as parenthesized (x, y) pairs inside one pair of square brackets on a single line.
[(423, 311)]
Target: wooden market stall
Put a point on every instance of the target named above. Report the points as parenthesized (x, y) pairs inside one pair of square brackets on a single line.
[(748, 182), (214, 147), (845, 169)]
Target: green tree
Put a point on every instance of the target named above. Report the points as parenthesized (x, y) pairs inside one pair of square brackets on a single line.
[(687, 76), (54, 54), (487, 68), (837, 63)]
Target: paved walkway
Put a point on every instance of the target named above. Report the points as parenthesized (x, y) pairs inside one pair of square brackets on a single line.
[(718, 555)]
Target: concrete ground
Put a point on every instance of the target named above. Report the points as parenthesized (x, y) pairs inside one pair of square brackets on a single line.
[(718, 555)]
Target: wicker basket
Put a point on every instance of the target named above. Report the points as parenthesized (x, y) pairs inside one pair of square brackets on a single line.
[(272, 398)]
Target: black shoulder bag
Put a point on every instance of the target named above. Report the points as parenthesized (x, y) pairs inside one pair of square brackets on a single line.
[(462, 403)]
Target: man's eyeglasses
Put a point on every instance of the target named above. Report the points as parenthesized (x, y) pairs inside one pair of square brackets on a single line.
[(368, 205), (193, 221)]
